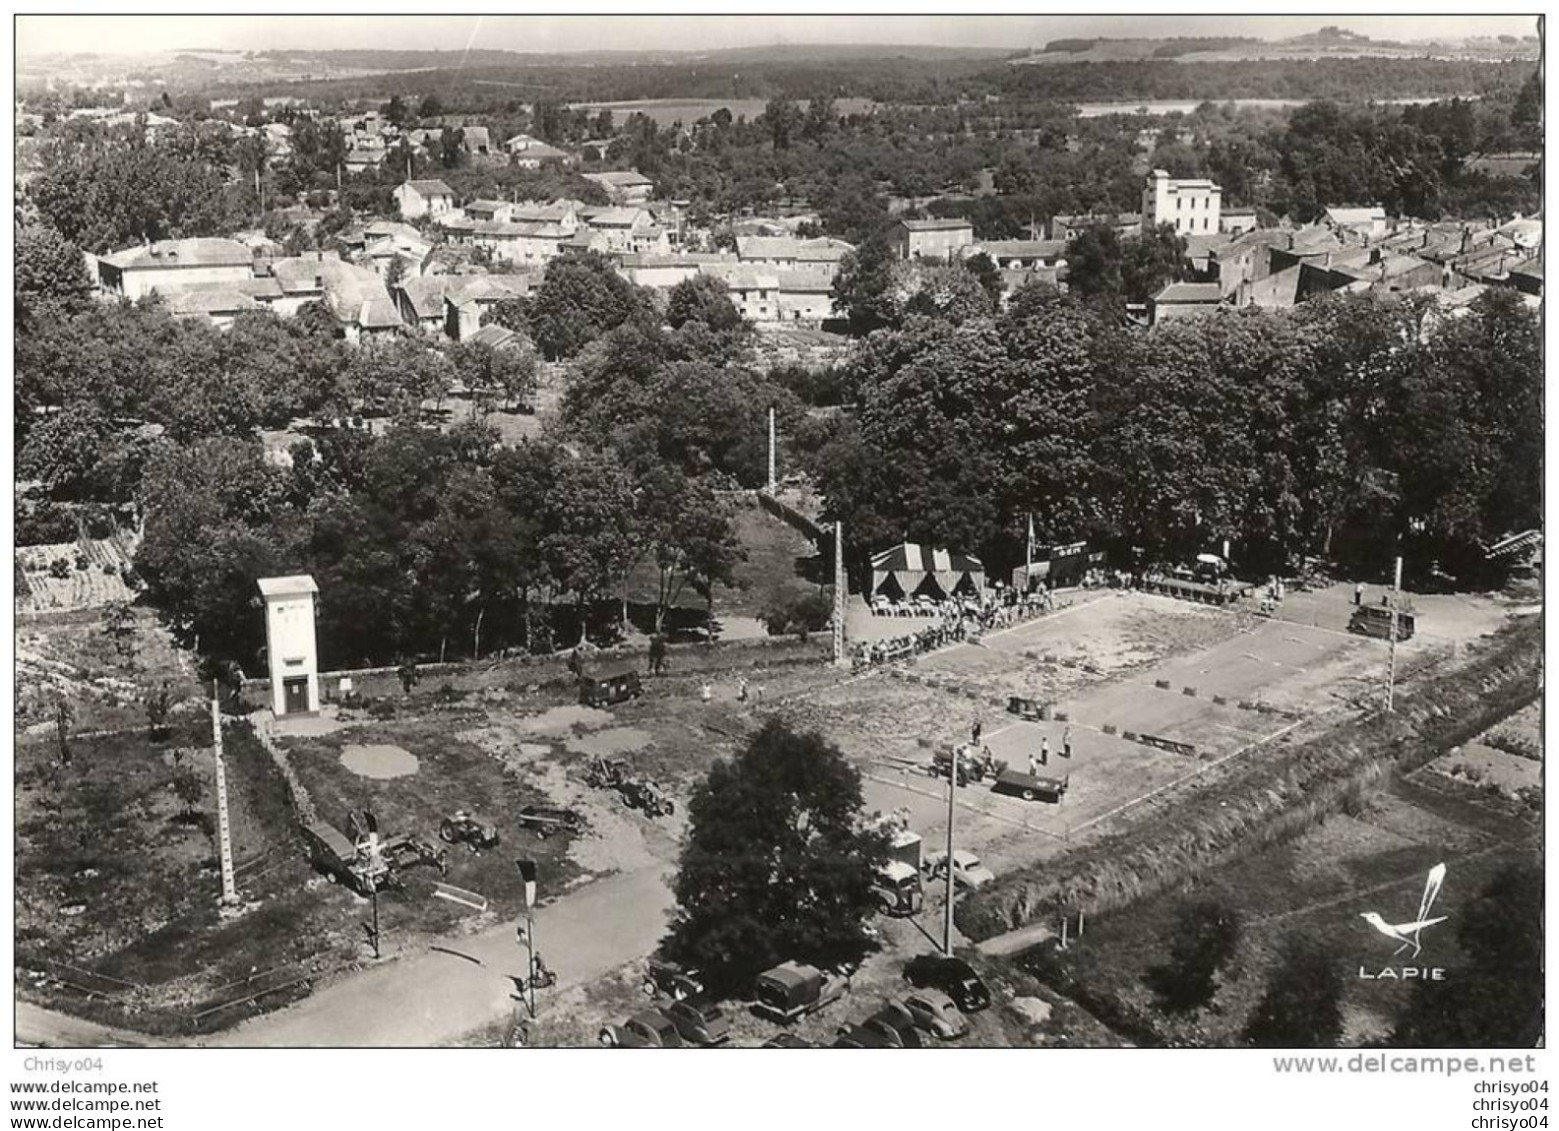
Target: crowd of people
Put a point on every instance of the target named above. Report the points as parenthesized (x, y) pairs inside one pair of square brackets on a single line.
[(960, 619)]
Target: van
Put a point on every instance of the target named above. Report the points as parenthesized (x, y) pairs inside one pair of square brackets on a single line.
[(1375, 620), (605, 690)]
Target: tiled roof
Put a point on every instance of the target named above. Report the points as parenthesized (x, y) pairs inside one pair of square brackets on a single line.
[(622, 179), (204, 252), (1189, 292), (937, 225), (426, 295), (429, 188), (1021, 249)]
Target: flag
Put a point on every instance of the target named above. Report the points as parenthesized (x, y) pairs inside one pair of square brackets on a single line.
[(1029, 560)]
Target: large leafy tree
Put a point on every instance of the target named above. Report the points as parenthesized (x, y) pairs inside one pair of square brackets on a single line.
[(776, 865), (1302, 1006), (593, 537), (1206, 935), (580, 298), (50, 270)]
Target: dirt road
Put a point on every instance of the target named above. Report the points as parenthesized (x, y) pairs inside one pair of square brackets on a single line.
[(435, 996)]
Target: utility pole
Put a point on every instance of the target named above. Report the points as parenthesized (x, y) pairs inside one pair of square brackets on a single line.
[(1391, 670), (224, 829), (772, 483), (952, 796), (841, 594)]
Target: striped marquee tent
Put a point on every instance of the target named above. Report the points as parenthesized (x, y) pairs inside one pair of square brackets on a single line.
[(911, 569)]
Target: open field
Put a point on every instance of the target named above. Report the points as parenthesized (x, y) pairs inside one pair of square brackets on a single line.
[(666, 111)]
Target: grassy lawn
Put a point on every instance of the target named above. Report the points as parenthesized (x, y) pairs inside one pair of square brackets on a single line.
[(775, 557), (118, 882), (453, 773)]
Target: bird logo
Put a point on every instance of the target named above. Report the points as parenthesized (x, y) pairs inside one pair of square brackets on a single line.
[(1407, 934)]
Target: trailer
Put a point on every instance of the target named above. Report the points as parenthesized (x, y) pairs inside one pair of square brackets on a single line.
[(544, 820), (1031, 787)]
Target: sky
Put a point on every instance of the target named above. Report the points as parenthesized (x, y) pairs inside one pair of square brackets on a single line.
[(107, 33)]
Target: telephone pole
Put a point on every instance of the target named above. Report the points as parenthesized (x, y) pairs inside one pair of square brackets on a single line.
[(224, 829), (952, 796), (1391, 669), (773, 484), (841, 594)]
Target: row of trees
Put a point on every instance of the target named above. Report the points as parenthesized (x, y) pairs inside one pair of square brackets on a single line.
[(424, 543), (1330, 429)]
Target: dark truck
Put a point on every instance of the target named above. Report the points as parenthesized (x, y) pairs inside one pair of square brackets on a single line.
[(605, 690), (1375, 620), (896, 883)]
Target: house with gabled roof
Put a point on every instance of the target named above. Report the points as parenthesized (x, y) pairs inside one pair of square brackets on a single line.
[(624, 186), (424, 198), (468, 298), (931, 239), (165, 266)]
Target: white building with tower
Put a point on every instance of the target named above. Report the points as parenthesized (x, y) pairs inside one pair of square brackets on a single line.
[(1192, 206), (290, 644)]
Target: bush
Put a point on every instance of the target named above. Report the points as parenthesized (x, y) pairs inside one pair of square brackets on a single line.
[(45, 524), (59, 569), (381, 709), (803, 615)]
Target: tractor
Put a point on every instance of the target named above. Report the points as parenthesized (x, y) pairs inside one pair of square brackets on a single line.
[(464, 828)]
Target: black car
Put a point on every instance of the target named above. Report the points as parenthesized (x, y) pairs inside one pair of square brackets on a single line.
[(953, 976)]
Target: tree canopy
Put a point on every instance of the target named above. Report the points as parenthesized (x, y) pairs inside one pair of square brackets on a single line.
[(776, 865)]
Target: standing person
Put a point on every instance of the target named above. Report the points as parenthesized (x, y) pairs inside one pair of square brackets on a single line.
[(706, 693), (760, 693), (657, 653), (741, 689), (1066, 743), (1044, 751), (1033, 765), (1358, 594), (974, 731)]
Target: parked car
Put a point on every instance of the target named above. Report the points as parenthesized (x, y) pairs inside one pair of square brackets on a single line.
[(897, 1024), (937, 1014), (953, 976), (699, 1021), (787, 1041), (650, 1029), (861, 1037), (605, 690), (669, 978), (968, 871)]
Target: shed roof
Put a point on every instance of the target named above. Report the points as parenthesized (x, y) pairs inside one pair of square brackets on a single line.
[(294, 585)]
